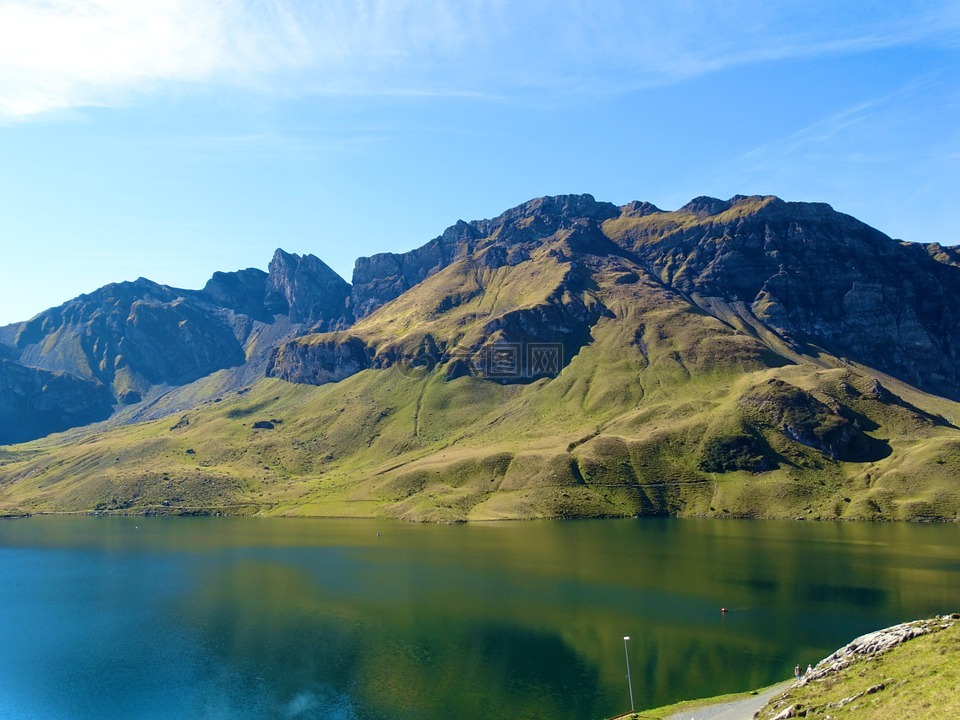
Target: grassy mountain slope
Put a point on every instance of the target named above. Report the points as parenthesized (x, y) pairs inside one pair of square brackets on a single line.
[(664, 408), (717, 360)]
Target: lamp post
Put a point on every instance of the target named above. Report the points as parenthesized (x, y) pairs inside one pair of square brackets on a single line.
[(629, 681)]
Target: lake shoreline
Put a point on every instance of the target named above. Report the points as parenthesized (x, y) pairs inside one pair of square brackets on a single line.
[(254, 510)]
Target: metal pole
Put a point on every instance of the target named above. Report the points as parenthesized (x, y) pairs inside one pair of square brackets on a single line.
[(629, 681)]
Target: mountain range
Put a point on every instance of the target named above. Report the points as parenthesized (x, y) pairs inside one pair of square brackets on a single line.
[(742, 357)]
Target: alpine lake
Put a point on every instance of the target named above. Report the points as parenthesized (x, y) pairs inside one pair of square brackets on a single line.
[(186, 618)]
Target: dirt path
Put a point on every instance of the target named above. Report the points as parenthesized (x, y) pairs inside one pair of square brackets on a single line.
[(732, 710)]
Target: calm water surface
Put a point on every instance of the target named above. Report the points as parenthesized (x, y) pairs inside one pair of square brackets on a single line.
[(268, 618)]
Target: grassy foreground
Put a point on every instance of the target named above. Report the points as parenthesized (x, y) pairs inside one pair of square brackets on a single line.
[(690, 707), (915, 678)]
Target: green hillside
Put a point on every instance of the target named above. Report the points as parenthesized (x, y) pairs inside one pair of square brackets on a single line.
[(666, 409), (692, 374)]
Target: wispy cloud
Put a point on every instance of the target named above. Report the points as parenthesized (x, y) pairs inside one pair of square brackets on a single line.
[(814, 139), (867, 132), (882, 160), (62, 54)]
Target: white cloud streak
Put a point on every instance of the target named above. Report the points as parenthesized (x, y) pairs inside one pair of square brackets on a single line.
[(62, 54)]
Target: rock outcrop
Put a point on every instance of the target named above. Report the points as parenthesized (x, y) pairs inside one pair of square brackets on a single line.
[(876, 643), (323, 359), (852, 667), (307, 291), (36, 402), (831, 429)]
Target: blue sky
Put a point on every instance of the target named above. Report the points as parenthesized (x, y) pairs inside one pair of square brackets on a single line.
[(174, 138)]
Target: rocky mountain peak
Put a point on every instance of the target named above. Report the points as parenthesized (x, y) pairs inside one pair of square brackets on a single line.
[(568, 206), (242, 291), (114, 299), (815, 276), (125, 341), (704, 205), (459, 232), (121, 292), (381, 278), (637, 208), (306, 289), (543, 216), (945, 255)]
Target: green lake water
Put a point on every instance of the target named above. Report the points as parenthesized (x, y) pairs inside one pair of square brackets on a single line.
[(342, 620)]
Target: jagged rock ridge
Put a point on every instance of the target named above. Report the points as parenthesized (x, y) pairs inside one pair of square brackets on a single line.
[(804, 277), (381, 278), (799, 278), (130, 341)]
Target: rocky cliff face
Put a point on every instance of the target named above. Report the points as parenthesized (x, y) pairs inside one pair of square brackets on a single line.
[(35, 402), (306, 290), (815, 279), (799, 278), (329, 358), (130, 337), (302, 288), (381, 278), (814, 276), (243, 292)]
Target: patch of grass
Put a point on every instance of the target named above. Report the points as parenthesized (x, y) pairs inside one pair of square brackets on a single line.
[(916, 679), (690, 707)]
